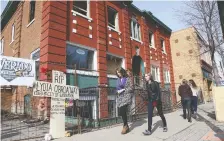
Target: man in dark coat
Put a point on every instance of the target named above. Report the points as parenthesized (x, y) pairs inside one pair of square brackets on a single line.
[(185, 94)]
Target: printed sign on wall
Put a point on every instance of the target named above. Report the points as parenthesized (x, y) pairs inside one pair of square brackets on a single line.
[(17, 71)]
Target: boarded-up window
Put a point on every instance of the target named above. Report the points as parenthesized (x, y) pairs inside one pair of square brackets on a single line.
[(193, 75), (176, 41), (178, 53), (113, 63)]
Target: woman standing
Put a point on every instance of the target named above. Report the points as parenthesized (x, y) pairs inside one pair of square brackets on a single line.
[(125, 91), (196, 91)]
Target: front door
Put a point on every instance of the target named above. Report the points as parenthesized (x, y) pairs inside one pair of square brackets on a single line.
[(27, 104)]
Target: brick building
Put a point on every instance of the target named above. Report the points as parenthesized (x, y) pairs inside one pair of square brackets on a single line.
[(90, 38), (190, 61)]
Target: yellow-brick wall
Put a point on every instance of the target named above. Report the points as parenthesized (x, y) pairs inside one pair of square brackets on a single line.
[(186, 59)]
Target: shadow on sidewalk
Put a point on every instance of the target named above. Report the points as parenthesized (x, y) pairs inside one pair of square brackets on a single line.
[(218, 133), (137, 124), (156, 125)]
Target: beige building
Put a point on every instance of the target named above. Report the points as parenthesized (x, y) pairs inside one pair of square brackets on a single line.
[(190, 61)]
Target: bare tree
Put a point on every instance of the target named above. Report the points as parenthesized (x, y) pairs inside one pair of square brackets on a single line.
[(204, 16)]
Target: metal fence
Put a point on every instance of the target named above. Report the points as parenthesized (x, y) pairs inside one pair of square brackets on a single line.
[(81, 115)]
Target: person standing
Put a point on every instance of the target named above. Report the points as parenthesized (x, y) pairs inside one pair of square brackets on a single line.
[(194, 100), (154, 100), (185, 93), (125, 93)]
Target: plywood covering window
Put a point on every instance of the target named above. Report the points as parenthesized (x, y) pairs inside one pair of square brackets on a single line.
[(113, 18), (113, 63)]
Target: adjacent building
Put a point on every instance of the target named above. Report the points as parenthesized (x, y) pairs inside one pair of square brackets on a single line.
[(87, 40), (191, 60)]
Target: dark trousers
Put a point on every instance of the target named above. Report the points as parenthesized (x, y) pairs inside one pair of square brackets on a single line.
[(186, 103), (160, 112), (194, 104), (123, 113)]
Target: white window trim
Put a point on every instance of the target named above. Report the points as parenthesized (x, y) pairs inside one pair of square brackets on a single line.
[(84, 16), (136, 40), (157, 72), (31, 57), (153, 41), (136, 28), (13, 33), (30, 23), (110, 28), (95, 59), (116, 26), (164, 47), (167, 76), (112, 76), (33, 52), (83, 72), (2, 46)]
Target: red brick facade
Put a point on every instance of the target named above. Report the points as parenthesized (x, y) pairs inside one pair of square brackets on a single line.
[(60, 25)]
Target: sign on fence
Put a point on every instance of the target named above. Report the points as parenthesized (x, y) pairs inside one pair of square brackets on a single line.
[(54, 90), (17, 71), (58, 91)]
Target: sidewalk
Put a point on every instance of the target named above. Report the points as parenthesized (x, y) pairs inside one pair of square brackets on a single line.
[(204, 128), (174, 120)]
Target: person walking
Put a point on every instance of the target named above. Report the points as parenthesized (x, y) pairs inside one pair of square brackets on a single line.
[(194, 100), (125, 93), (185, 93), (154, 100)]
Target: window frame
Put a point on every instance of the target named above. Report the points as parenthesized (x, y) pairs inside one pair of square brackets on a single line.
[(30, 11), (152, 45), (157, 72), (87, 16), (94, 51), (116, 19), (2, 46), (13, 33), (135, 30), (163, 47), (36, 60), (116, 57), (166, 76)]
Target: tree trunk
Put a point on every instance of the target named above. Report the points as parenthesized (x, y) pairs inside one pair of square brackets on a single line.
[(215, 74)]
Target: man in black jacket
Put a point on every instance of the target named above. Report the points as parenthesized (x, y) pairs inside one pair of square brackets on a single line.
[(154, 100), (185, 93)]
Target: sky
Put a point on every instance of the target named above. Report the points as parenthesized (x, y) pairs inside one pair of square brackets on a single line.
[(163, 10)]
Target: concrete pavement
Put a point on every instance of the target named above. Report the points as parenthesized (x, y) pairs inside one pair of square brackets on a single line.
[(204, 128), (174, 120)]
